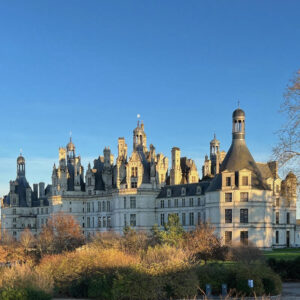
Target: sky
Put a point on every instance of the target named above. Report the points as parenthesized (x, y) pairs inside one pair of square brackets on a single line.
[(90, 67)]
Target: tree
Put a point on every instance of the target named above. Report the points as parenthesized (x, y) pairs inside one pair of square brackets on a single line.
[(173, 232), (203, 244), (287, 151), (27, 240), (61, 233), (133, 241)]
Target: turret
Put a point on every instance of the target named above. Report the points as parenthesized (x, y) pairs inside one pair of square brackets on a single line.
[(20, 166), (175, 173), (238, 124), (139, 138)]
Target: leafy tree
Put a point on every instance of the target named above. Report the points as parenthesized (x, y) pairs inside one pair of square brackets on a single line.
[(173, 232), (133, 241)]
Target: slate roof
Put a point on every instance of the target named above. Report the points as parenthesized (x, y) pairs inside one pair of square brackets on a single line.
[(191, 189), (238, 158)]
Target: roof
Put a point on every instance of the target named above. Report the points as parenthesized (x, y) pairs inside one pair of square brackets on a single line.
[(238, 113), (238, 158), (191, 189), (265, 170)]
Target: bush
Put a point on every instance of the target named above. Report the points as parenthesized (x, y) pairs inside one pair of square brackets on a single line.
[(236, 277), (288, 270), (27, 293)]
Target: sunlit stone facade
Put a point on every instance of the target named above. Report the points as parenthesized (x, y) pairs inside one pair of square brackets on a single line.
[(245, 201)]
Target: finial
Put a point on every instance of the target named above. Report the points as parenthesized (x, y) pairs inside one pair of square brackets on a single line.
[(138, 116), (21, 151), (70, 136), (215, 136), (238, 103)]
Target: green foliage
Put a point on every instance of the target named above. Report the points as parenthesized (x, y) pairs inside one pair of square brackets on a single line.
[(288, 270), (172, 233), (27, 293), (236, 276)]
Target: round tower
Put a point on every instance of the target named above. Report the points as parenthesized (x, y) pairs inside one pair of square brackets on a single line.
[(238, 124), (20, 166), (71, 149)]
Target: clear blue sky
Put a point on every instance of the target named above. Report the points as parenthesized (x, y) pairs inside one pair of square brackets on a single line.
[(92, 66)]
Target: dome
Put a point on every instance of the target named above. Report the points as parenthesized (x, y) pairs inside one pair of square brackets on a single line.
[(215, 141), (21, 160), (70, 146), (291, 175), (238, 113)]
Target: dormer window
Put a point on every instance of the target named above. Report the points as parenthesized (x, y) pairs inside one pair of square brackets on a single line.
[(228, 181), (183, 191), (134, 172), (169, 192), (198, 189), (245, 180)]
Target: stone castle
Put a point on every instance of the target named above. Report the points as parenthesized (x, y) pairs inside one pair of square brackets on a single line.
[(244, 200)]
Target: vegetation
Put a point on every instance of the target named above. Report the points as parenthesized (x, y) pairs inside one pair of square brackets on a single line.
[(167, 264)]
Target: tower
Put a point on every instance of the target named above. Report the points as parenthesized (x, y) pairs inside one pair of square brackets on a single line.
[(139, 138), (20, 166), (70, 150), (214, 155), (175, 174), (238, 124)]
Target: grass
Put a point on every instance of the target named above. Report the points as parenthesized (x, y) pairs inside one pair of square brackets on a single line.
[(285, 253)]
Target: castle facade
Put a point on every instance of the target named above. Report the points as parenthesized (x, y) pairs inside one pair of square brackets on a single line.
[(244, 200)]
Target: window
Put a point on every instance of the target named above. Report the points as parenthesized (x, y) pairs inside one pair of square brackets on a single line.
[(88, 207), (199, 202), (176, 203), (104, 221), (14, 226), (244, 237), (277, 217), (228, 197), (288, 218), (38, 210), (42, 211), (169, 203), (162, 177), (99, 206), (162, 204), (132, 202), (198, 189), (89, 192), (14, 211), (168, 192), (277, 202), (14, 233), (183, 192), (277, 188), (245, 180), (228, 181), (108, 205), (103, 206), (89, 181), (162, 219), (14, 219), (125, 220), (133, 185), (99, 222), (134, 172), (108, 222), (199, 218), (244, 197), (70, 209), (277, 237), (228, 237), (228, 215), (191, 218), (133, 220), (125, 203), (46, 210), (191, 202), (183, 219), (244, 215), (183, 203), (88, 222)]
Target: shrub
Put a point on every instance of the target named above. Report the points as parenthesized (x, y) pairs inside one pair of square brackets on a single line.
[(27, 293), (288, 270)]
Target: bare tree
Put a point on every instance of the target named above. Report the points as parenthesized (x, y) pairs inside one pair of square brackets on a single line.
[(27, 240), (287, 151)]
